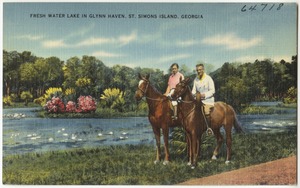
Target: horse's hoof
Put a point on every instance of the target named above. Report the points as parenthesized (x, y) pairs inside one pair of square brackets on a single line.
[(189, 164), (193, 167), (156, 162), (227, 162), (166, 162), (214, 157)]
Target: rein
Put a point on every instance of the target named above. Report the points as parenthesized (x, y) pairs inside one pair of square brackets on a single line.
[(188, 102), (144, 92), (202, 110)]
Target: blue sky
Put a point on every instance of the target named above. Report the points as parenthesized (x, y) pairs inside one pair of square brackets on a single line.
[(224, 33)]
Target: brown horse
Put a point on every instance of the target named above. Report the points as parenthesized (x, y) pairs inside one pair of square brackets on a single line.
[(160, 117), (222, 115)]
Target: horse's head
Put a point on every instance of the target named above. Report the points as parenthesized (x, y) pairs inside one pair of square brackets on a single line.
[(142, 87), (180, 88)]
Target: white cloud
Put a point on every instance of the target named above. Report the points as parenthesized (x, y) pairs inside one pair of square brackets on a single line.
[(105, 54), (30, 37), (232, 42), (95, 41), (186, 43), (126, 39), (120, 41), (54, 44)]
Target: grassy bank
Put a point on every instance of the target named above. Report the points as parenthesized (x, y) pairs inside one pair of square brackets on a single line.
[(133, 165), (279, 109)]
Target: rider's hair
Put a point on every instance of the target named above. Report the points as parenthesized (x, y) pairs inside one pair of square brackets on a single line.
[(200, 64), (174, 64)]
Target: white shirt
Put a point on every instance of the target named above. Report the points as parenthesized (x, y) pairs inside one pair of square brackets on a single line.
[(206, 86)]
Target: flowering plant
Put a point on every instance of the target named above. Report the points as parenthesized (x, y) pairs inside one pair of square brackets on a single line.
[(86, 104), (71, 106), (55, 105)]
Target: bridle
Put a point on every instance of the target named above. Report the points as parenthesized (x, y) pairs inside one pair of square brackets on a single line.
[(181, 91), (144, 91)]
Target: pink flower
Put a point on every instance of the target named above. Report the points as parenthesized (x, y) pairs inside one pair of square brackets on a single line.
[(86, 104), (71, 106), (55, 105)]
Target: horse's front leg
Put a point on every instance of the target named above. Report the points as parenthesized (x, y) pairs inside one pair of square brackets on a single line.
[(189, 148), (166, 145), (156, 132), (194, 148)]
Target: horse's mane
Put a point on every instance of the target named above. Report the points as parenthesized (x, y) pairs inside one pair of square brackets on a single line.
[(155, 89)]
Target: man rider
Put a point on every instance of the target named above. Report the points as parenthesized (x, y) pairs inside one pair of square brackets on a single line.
[(204, 84)]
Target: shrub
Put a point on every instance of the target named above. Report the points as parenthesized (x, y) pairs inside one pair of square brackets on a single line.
[(55, 105), (7, 101), (291, 96), (86, 104), (41, 101), (71, 106), (49, 94), (53, 92), (26, 96), (70, 94), (114, 98)]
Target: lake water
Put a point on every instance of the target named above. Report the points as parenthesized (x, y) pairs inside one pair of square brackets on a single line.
[(32, 134)]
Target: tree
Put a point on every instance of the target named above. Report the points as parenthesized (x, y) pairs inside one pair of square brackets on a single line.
[(55, 72), (11, 64), (234, 92), (26, 96), (28, 76), (71, 72)]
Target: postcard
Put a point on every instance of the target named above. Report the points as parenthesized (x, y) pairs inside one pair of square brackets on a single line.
[(152, 93)]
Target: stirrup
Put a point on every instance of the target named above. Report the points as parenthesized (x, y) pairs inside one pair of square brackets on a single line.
[(209, 132)]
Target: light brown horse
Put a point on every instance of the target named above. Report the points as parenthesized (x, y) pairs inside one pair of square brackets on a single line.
[(160, 117), (222, 115)]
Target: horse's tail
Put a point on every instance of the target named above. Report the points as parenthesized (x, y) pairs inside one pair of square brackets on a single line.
[(238, 128)]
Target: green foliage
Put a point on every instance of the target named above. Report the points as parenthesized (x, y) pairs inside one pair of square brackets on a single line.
[(291, 96), (239, 84), (114, 99), (7, 101), (70, 94), (26, 96), (41, 101), (258, 110), (50, 92), (133, 165), (83, 82), (178, 142), (236, 83)]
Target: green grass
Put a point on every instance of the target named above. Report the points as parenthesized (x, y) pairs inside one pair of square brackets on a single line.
[(133, 165), (280, 109)]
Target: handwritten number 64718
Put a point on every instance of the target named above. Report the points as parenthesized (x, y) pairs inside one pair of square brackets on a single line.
[(262, 7)]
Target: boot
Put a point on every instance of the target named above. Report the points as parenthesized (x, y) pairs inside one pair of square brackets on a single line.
[(208, 120), (174, 117)]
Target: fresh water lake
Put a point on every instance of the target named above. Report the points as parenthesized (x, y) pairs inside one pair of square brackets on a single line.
[(33, 134)]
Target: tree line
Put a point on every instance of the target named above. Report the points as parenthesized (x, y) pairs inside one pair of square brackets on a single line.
[(235, 83)]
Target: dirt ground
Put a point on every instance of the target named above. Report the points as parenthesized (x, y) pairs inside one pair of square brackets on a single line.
[(278, 172)]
